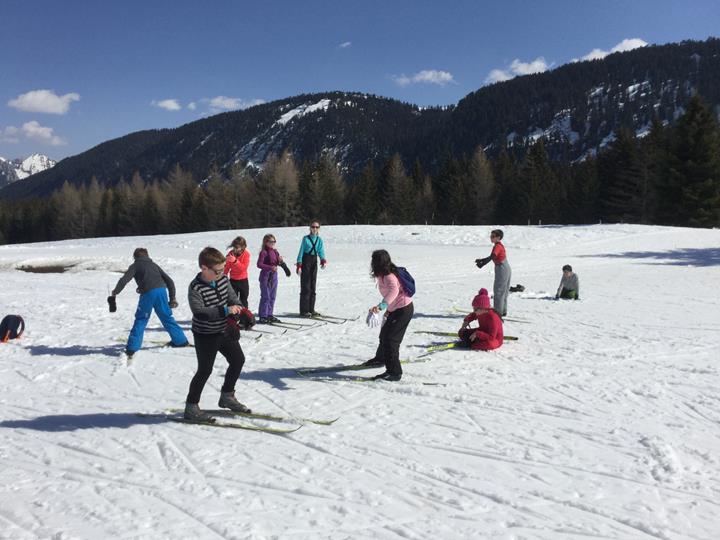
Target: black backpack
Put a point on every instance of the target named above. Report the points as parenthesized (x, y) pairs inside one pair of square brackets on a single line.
[(11, 327)]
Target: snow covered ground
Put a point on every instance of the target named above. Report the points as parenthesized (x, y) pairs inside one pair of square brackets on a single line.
[(602, 420)]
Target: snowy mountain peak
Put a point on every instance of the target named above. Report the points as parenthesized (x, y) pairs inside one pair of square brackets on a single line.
[(34, 164), (12, 170)]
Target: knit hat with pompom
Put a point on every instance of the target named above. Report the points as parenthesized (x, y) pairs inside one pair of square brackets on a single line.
[(482, 300)]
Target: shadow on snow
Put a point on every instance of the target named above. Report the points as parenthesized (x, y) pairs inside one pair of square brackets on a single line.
[(675, 257), (73, 422)]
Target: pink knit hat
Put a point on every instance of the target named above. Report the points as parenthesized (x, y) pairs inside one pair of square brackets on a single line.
[(482, 300)]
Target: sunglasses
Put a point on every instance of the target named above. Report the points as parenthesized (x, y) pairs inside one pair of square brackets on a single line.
[(215, 270), (271, 242), (314, 226)]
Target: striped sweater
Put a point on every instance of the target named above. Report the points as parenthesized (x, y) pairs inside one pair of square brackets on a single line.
[(208, 303)]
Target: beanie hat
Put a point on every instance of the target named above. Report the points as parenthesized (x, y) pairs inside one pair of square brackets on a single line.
[(482, 300)]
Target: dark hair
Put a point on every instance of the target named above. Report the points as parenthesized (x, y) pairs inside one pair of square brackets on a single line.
[(265, 239), (314, 221), (567, 268), (239, 242), (210, 257), (380, 264), (140, 252), (497, 233)]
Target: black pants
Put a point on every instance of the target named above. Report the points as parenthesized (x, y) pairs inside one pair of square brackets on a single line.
[(206, 349), (242, 289), (391, 336), (308, 282)]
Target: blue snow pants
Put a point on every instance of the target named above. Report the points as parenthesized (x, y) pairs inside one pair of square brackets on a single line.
[(156, 299)]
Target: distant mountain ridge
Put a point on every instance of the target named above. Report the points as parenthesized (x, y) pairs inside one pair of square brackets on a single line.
[(19, 169), (576, 108)]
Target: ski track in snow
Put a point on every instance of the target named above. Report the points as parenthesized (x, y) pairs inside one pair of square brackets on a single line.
[(601, 421)]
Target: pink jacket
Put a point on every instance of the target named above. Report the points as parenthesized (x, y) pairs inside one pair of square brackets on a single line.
[(393, 295), (237, 267)]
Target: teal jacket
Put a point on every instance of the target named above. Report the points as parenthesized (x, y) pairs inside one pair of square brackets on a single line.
[(306, 246)]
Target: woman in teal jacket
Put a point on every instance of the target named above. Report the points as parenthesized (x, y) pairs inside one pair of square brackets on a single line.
[(311, 248)]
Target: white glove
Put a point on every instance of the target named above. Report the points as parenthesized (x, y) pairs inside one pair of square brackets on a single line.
[(374, 320)]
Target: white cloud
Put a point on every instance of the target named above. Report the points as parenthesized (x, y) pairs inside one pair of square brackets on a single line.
[(192, 106), (345, 44), (223, 103), (517, 68), (44, 101), (426, 76), (32, 131), (10, 134), (627, 44), (167, 104)]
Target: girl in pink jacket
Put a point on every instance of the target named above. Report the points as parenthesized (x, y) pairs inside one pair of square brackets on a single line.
[(400, 310), (236, 268)]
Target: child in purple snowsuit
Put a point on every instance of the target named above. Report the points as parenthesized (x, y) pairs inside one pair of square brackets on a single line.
[(268, 261)]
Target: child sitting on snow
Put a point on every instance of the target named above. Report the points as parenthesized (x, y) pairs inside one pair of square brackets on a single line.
[(489, 333), (569, 288)]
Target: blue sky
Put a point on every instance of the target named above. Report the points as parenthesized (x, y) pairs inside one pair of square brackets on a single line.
[(76, 73)]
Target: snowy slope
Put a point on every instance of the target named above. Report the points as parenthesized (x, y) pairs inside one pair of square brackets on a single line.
[(602, 421)]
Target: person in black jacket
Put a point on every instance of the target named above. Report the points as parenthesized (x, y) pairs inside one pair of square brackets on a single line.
[(153, 285)]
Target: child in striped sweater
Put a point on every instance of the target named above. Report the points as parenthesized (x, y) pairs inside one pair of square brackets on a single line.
[(212, 300)]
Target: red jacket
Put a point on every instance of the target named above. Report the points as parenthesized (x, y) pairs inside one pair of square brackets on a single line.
[(489, 333), (236, 268), (498, 253)]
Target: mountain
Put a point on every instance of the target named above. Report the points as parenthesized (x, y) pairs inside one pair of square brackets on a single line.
[(19, 169), (576, 108)]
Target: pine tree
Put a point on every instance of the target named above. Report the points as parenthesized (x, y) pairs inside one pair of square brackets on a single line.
[(400, 196), (507, 207), (365, 196), (693, 175), (309, 192), (480, 196), (624, 188), (540, 195), (332, 190)]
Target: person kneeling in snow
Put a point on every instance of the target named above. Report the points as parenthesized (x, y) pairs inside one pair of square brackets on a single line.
[(489, 333), (569, 288)]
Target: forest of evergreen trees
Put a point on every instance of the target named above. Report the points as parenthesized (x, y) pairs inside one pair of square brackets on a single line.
[(670, 177)]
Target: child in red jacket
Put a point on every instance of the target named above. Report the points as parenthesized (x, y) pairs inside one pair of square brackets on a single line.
[(489, 333), (236, 268)]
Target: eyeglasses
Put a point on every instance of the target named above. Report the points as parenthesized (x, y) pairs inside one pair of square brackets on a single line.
[(216, 271), (314, 226), (271, 242)]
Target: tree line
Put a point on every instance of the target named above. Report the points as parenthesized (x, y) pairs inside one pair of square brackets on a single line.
[(671, 177)]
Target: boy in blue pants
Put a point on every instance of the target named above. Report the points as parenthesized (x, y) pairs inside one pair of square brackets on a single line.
[(153, 285)]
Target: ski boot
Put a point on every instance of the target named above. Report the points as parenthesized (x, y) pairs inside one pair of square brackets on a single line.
[(193, 413), (387, 376), (229, 401)]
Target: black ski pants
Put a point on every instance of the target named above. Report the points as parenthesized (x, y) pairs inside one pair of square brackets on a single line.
[(206, 348), (242, 289), (391, 336), (308, 283)]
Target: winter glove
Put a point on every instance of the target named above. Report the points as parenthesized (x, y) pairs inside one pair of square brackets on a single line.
[(323, 263), (374, 320), (298, 268), (173, 304), (482, 262), (285, 268), (111, 303)]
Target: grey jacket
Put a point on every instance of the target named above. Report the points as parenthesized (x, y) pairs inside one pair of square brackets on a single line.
[(571, 283), (148, 276)]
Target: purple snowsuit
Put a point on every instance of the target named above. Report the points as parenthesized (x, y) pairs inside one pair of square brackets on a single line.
[(268, 260)]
